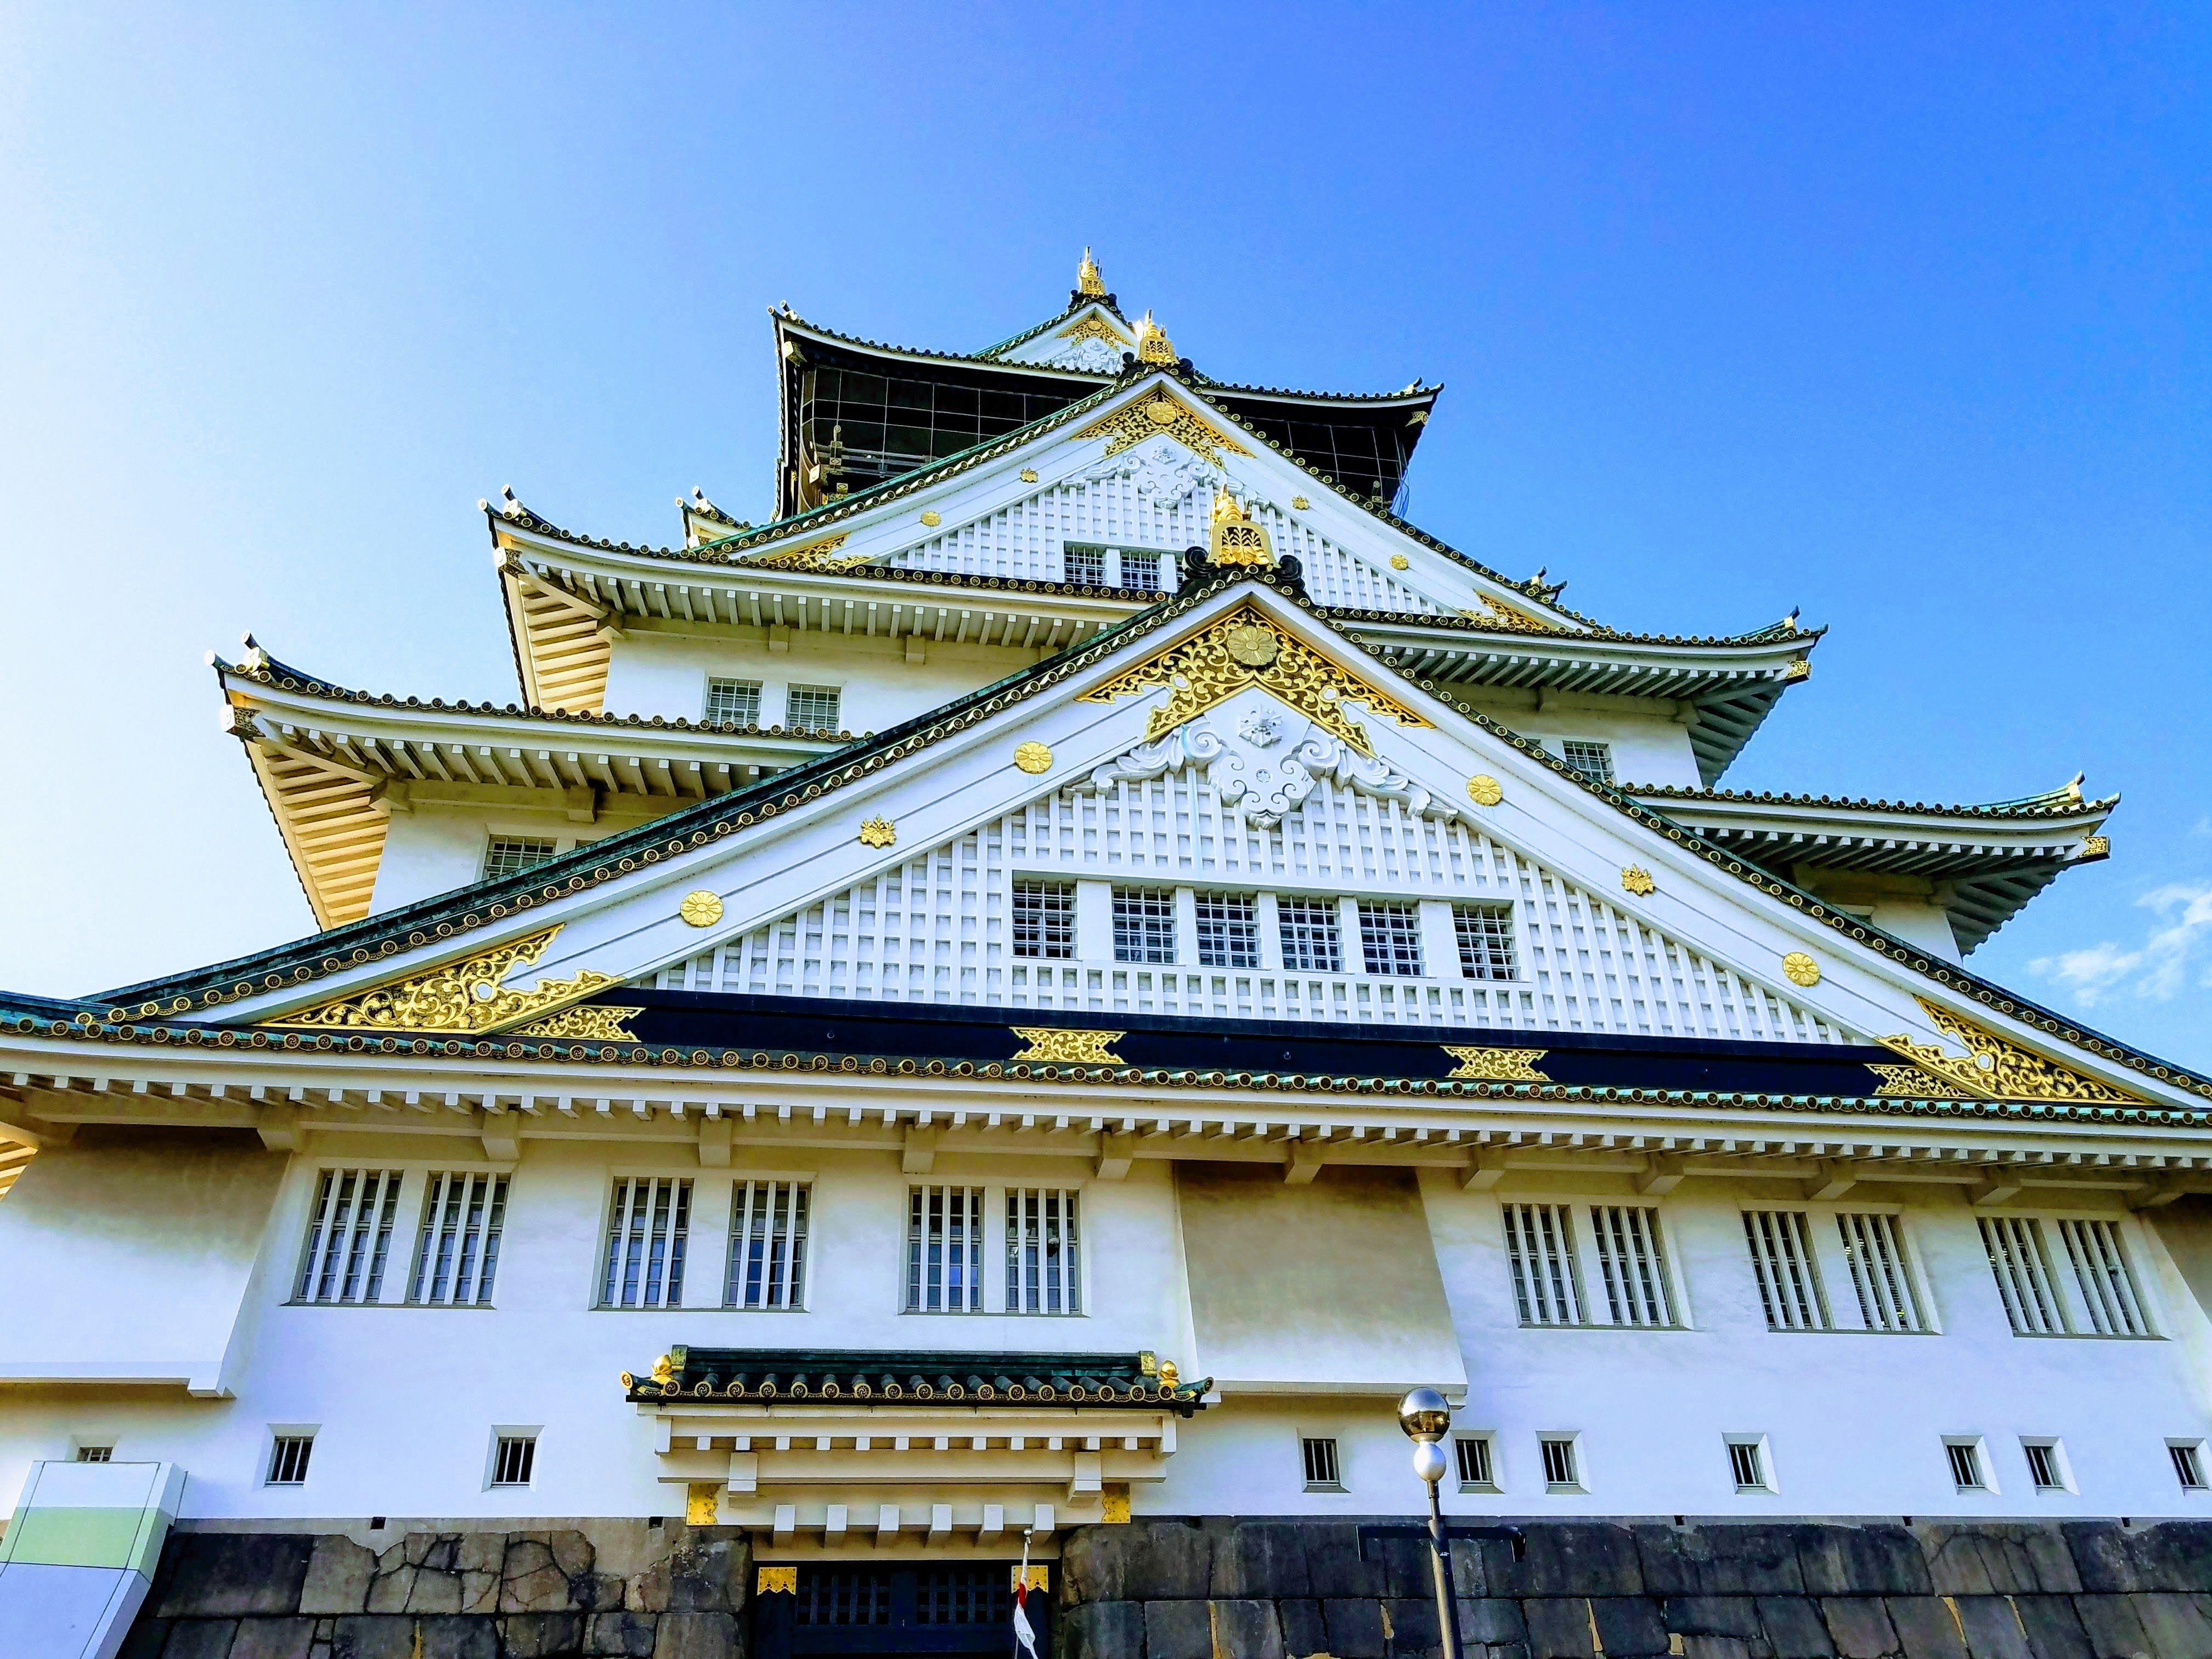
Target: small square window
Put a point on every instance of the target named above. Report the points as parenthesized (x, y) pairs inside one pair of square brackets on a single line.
[(1391, 940), (2046, 1465), (1085, 566), (95, 1454), (1486, 941), (1560, 1473), (733, 703), (1228, 931), (1748, 1464), (514, 1459), (288, 1459), (1140, 571), (1323, 1473), (811, 708), (1478, 1463), (1593, 760), (509, 855), (1044, 919), (2188, 1463), (1144, 925), (1965, 1460), (1309, 941)]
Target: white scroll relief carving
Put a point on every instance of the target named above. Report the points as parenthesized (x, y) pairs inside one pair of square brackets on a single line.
[(1089, 353), (1166, 475)]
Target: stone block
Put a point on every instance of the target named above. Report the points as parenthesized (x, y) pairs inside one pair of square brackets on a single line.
[(1303, 1630), (1629, 1626), (415, 1576), (1719, 1647), (2113, 1628), (2179, 1626), (381, 1636), (693, 1578), (1354, 1627), (1492, 1620), (1565, 1558), (1559, 1627), (200, 1638), (2051, 1626), (1793, 1629), (541, 1635), (1713, 1615), (1992, 1629), (620, 1635), (1408, 1564), (1926, 1628), (273, 1638), (1105, 1629), (217, 1575), (1142, 1561), (144, 1639), (1502, 1650), (1721, 1559), (1997, 1558), (1410, 1626), (1469, 1582), (1860, 1561), (1258, 1559), (698, 1636), (1179, 1629), (2173, 1555), (2103, 1560), (1245, 1630), (532, 1578), (1859, 1626), (340, 1573), (1336, 1566)]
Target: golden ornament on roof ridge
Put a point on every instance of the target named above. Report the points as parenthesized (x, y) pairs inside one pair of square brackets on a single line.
[(1153, 346), (1087, 279)]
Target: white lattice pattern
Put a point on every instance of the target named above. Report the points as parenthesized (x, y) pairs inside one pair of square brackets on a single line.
[(935, 928)]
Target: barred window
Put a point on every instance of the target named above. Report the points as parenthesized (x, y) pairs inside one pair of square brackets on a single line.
[(1486, 941), (1390, 938), (1140, 571), (1144, 925), (508, 856), (1086, 565), (1789, 1278), (768, 1245), (1540, 1249), (1966, 1460), (736, 701), (288, 1459), (95, 1454), (514, 1460), (1593, 760), (1632, 1262), (1309, 931), (2046, 1468), (1323, 1472), (945, 1249), (1748, 1464), (2101, 1275), (1476, 1461), (1558, 1456), (1228, 931), (964, 1595), (456, 1249), (1044, 918), (1881, 1273), (2188, 1464), (810, 707), (1042, 1265), (2021, 1267), (349, 1236), (648, 1223)]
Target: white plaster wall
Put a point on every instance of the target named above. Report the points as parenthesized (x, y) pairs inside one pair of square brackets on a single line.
[(435, 850), (1926, 925), (1646, 750)]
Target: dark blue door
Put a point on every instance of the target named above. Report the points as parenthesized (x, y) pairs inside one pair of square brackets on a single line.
[(901, 1607)]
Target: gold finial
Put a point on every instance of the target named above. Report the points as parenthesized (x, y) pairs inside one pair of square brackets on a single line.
[(1153, 346), (1227, 506), (1087, 279), (1169, 1376), (664, 1371)]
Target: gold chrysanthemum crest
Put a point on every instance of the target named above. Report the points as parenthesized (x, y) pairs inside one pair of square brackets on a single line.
[(1801, 969), (1033, 757), (701, 908), (1484, 790)]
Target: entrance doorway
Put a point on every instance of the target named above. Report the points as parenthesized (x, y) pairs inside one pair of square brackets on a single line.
[(959, 1608)]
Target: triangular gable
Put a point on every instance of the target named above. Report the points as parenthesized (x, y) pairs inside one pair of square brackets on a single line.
[(1091, 337)]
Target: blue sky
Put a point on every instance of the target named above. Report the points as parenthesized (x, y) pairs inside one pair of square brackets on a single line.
[(1898, 315)]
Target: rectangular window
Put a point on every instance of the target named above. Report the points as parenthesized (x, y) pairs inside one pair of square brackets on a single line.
[(1144, 925), (1781, 1243), (1748, 1464), (1593, 760), (514, 1459), (1043, 1260), (2188, 1463), (1881, 1273), (1966, 1459), (811, 708), (734, 703), (2022, 1270), (768, 1245), (1633, 1263), (288, 1459), (349, 1236), (1140, 571), (1391, 940), (1558, 1458), (1228, 931), (649, 1223), (1476, 1465), (945, 1249), (507, 856), (1486, 941), (1540, 1248), (1086, 565), (1309, 941), (1044, 918), (457, 1251), (95, 1454), (2043, 1466), (2102, 1276), (1323, 1472)]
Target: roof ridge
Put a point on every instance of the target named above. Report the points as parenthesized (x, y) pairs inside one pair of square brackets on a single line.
[(2053, 803)]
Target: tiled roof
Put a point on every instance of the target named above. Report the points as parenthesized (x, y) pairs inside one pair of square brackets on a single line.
[(902, 1379), (2063, 802)]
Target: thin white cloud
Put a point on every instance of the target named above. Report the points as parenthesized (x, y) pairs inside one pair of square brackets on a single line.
[(2179, 943)]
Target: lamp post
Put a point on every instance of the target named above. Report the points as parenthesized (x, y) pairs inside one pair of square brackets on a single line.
[(1426, 1419)]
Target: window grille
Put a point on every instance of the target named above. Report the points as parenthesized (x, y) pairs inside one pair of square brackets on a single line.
[(1486, 941), (813, 706), (1593, 760), (1540, 1248), (509, 854), (2042, 1465), (288, 1459), (1140, 571), (1309, 941), (1881, 1273), (736, 701), (2022, 1270), (1632, 1262), (512, 1463), (457, 1251), (1042, 1260), (1044, 918), (1473, 1451), (945, 1249), (1086, 565), (1322, 1474), (1746, 1464), (349, 1236), (1391, 940), (1559, 1454), (768, 1245), (2188, 1466), (843, 1595), (648, 1225), (1789, 1278), (2101, 1274), (964, 1595), (1965, 1458), (95, 1454), (1144, 925), (1228, 931)]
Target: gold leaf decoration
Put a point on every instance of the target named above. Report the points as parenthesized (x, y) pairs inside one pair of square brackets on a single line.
[(815, 556), (2096, 847), (1094, 327), (777, 1581), (1114, 1504), (699, 1501), (1484, 790), (1400, 562), (879, 832), (1033, 757), (1801, 969), (1037, 1576), (1133, 421), (586, 1021), (1300, 502), (1992, 1068), (1504, 618), (1029, 475), (464, 996), (1218, 661), (931, 519), (701, 908), (1638, 881), (1079, 1047), (1497, 1065)]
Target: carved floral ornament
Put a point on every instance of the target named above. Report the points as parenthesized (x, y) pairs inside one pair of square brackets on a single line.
[(467, 996), (1992, 1068), (821, 556), (1159, 410), (1264, 787)]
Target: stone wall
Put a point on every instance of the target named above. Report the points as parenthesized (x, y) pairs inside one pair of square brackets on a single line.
[(1288, 1589), (608, 1589)]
